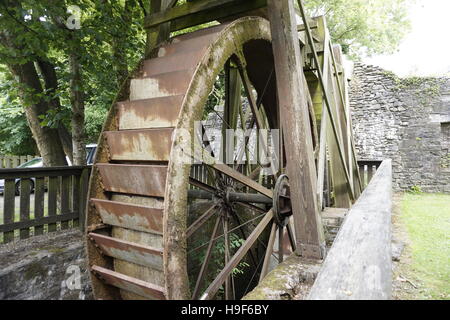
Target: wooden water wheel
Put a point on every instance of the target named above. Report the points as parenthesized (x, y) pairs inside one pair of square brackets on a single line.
[(166, 220)]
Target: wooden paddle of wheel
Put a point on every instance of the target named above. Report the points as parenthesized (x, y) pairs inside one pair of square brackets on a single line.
[(157, 228)]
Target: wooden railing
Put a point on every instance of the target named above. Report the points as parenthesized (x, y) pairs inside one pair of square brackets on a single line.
[(14, 161), (41, 200), (358, 265), (367, 169)]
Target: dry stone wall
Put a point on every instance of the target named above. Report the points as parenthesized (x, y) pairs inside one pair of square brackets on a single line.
[(407, 120)]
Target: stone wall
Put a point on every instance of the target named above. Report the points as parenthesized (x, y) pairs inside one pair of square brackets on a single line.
[(48, 267), (406, 120)]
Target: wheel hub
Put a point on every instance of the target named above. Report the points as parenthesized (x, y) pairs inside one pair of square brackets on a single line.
[(282, 200)]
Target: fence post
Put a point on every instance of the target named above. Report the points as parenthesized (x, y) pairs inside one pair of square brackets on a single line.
[(84, 180)]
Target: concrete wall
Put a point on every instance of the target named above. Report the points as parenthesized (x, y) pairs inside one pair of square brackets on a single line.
[(406, 120)]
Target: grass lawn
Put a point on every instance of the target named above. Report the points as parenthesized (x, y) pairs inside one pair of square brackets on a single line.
[(426, 220)]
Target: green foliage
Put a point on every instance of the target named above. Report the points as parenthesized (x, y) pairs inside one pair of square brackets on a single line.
[(95, 117), (15, 135), (109, 44), (415, 189), (425, 88), (364, 26)]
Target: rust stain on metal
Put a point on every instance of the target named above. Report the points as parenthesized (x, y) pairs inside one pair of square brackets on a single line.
[(131, 284), (130, 216), (149, 180), (161, 85), (129, 251), (179, 44), (150, 113), (135, 145), (175, 62)]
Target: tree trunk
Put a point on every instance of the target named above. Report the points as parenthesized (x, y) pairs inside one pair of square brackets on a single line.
[(77, 100), (47, 139), (51, 84)]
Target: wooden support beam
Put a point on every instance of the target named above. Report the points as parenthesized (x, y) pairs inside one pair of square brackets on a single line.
[(201, 11), (352, 161), (158, 33), (332, 119), (296, 128)]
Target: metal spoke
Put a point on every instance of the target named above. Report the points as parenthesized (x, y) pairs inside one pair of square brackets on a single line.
[(245, 223), (234, 261), (253, 275), (269, 251), (207, 258), (201, 220), (250, 97), (202, 185), (227, 257), (244, 236), (236, 175), (250, 206)]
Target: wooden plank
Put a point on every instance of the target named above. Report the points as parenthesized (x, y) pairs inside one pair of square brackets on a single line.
[(296, 129), (370, 172), (362, 174), (15, 161), (201, 11), (269, 250), (13, 173), (129, 251), (131, 284), (39, 198), (9, 208), (365, 271), (50, 220), (25, 193), (323, 120), (332, 119), (52, 200), (65, 199)]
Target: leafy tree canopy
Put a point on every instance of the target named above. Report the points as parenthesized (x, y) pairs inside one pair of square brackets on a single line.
[(364, 26), (110, 42)]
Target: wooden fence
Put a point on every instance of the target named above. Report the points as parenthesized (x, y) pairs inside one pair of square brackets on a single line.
[(14, 161), (41, 200), (367, 169)]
